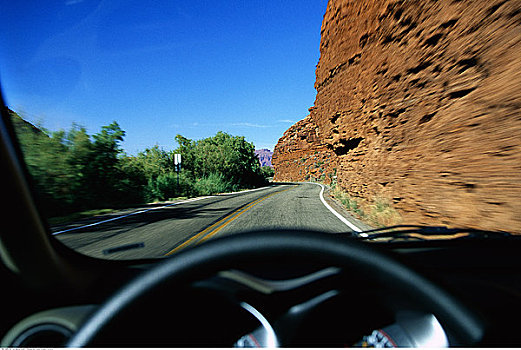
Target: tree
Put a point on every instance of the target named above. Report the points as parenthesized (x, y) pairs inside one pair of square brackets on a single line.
[(230, 157), (74, 171), (155, 161), (45, 155), (267, 172), (103, 172), (187, 150), (79, 155)]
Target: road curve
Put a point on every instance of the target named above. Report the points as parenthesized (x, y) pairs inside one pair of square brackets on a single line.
[(164, 230)]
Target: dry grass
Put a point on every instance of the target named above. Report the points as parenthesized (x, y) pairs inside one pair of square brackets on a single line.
[(382, 213), (377, 211)]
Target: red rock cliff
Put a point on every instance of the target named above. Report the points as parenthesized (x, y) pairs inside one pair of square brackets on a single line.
[(420, 102)]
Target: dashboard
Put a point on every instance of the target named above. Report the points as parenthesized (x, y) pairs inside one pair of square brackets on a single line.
[(298, 305), (291, 319)]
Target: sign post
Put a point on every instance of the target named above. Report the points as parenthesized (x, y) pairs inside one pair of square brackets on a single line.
[(177, 164)]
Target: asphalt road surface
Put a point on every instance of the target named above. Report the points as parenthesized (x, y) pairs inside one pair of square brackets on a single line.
[(162, 230)]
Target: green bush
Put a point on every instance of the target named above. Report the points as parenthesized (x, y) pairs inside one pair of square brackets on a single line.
[(165, 186), (267, 172), (161, 187), (75, 171), (212, 184)]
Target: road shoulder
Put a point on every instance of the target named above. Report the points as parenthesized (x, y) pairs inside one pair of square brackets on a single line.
[(340, 209)]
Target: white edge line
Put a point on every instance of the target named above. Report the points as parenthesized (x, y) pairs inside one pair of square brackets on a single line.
[(146, 210), (340, 217), (127, 215)]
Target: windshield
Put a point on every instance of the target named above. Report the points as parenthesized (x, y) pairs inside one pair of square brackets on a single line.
[(151, 128)]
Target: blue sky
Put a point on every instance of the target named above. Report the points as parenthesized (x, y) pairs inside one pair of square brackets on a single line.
[(162, 68)]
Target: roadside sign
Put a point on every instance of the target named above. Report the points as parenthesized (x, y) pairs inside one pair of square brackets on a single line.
[(177, 164), (177, 159)]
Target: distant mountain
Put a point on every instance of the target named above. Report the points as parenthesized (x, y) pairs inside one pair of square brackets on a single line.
[(264, 156)]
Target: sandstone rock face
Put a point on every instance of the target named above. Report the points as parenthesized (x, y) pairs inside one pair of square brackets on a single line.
[(301, 155), (418, 101)]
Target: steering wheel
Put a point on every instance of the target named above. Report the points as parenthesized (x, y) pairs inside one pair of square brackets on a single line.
[(195, 264)]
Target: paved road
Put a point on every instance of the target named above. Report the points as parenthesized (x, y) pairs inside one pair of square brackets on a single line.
[(164, 230)]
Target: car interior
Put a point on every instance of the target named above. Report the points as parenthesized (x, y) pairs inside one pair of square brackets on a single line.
[(199, 66), (277, 288)]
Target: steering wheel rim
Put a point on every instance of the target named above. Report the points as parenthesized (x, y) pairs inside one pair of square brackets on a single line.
[(229, 252)]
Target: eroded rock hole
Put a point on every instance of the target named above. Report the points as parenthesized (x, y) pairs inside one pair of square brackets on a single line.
[(347, 145), (433, 40), (427, 117), (461, 93)]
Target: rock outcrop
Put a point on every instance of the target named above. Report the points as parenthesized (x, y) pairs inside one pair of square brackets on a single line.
[(419, 102), (301, 155)]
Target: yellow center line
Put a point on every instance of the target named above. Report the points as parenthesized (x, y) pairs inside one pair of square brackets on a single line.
[(214, 228), (237, 215)]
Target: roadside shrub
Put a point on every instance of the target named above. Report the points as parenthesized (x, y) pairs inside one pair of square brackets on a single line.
[(378, 212), (267, 172), (74, 171), (382, 213), (160, 187), (165, 186), (212, 184), (350, 203)]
